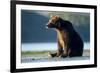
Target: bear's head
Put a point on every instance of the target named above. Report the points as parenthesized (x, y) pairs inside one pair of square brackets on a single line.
[(54, 22), (58, 23)]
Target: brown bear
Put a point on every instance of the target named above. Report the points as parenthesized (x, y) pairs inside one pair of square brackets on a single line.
[(70, 43)]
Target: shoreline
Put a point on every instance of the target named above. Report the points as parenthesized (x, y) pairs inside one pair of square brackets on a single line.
[(86, 52)]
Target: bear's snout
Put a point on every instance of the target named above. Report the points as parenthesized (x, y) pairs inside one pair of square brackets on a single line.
[(46, 26), (49, 25)]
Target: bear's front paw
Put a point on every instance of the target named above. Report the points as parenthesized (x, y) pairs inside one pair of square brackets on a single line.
[(52, 55)]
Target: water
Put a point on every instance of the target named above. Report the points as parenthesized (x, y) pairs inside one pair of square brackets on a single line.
[(45, 46)]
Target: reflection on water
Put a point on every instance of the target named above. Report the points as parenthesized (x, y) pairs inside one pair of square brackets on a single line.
[(44, 46)]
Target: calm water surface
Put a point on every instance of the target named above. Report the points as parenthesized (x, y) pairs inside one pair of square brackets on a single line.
[(44, 46)]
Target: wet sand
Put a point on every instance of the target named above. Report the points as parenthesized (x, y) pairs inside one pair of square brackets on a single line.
[(45, 58)]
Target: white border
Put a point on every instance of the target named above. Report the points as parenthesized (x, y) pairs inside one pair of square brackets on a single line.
[(20, 65)]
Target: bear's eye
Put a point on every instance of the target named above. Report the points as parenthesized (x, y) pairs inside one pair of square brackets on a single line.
[(53, 21)]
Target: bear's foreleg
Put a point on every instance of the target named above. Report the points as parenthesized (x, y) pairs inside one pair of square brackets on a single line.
[(60, 49), (66, 51)]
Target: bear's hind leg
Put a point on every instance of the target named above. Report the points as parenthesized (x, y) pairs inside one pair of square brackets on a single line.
[(76, 53)]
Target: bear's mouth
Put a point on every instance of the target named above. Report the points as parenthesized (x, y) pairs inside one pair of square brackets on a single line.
[(48, 26)]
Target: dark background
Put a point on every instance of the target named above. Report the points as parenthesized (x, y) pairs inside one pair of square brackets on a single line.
[(33, 25)]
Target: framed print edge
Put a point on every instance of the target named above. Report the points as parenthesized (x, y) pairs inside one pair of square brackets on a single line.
[(13, 36)]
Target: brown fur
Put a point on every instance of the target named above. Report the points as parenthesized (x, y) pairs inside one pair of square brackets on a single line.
[(69, 42)]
